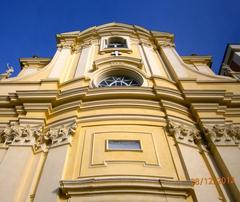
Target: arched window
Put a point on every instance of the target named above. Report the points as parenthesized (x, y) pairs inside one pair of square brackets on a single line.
[(119, 80), (118, 76), (116, 42)]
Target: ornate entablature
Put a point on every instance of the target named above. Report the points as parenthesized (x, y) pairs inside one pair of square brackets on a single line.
[(223, 134), (35, 136), (115, 42), (164, 39), (68, 41), (183, 133)]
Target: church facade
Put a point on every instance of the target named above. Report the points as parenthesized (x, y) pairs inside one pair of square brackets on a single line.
[(117, 115)]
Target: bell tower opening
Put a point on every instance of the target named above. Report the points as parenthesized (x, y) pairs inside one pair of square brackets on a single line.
[(117, 42)]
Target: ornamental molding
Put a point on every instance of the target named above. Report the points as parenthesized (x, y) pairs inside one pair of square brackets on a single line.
[(15, 134), (35, 136), (165, 44), (118, 61), (228, 134), (122, 184), (125, 70), (192, 59), (59, 135), (183, 133), (35, 62), (74, 48), (73, 45)]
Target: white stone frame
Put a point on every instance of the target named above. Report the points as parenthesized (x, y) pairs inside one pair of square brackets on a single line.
[(123, 149), (131, 72), (104, 48)]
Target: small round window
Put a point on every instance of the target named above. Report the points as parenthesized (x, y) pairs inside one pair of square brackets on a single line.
[(118, 80)]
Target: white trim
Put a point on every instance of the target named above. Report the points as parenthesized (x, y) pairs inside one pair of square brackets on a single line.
[(83, 62), (104, 47), (123, 149), (102, 73)]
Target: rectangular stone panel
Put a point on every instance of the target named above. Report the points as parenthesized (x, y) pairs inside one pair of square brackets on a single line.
[(125, 150)]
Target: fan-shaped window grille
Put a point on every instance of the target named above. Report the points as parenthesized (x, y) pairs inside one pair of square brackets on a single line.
[(118, 80)]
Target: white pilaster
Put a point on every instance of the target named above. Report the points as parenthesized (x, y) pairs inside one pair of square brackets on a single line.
[(52, 173), (143, 57), (192, 160), (60, 63), (13, 170), (154, 63), (175, 61), (85, 61)]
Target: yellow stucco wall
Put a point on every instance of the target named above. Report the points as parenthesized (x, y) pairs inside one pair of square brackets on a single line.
[(55, 124)]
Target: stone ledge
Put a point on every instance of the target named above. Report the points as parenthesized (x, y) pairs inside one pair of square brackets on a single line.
[(126, 184)]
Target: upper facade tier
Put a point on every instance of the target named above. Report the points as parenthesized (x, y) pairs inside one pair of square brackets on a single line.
[(116, 54)]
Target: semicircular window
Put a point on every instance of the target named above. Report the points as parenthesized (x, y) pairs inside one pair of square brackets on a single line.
[(118, 80)]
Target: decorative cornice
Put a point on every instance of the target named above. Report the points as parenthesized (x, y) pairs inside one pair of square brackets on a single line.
[(34, 62), (67, 40), (163, 39), (39, 95), (120, 60), (197, 59), (169, 94), (75, 41), (209, 96), (100, 185)]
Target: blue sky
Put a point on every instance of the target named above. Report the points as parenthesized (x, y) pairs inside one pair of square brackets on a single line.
[(202, 27)]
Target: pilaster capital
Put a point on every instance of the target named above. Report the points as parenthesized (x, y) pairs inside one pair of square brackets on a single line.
[(15, 134), (23, 135), (59, 135), (165, 44), (184, 134), (72, 44), (222, 134)]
